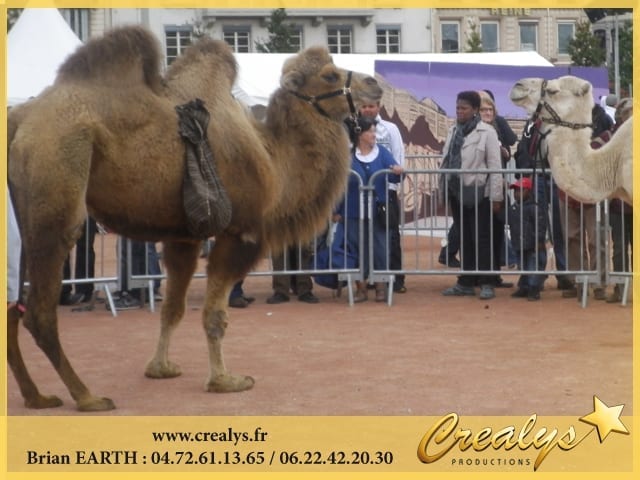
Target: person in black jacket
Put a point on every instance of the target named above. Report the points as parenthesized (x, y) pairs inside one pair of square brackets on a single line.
[(528, 228)]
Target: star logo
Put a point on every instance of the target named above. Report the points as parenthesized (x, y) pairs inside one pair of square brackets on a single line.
[(606, 419)]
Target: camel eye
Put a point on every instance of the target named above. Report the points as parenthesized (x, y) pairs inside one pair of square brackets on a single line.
[(552, 91), (331, 77)]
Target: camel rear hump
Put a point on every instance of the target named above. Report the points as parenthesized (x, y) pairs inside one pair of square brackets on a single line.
[(124, 56)]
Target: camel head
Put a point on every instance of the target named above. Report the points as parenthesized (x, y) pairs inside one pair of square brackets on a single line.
[(568, 98), (334, 92)]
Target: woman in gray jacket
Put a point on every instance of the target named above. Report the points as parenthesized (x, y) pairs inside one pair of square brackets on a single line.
[(473, 145)]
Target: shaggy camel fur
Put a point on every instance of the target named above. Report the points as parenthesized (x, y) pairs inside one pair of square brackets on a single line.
[(103, 140), (564, 105)]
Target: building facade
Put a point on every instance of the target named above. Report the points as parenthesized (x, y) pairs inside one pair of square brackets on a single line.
[(398, 30), (544, 30)]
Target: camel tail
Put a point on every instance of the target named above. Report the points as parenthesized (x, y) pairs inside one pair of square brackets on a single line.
[(127, 54)]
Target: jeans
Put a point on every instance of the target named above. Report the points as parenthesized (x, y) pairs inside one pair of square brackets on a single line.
[(532, 260), (546, 196)]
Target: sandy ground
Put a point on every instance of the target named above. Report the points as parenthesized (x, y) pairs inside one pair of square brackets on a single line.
[(425, 355)]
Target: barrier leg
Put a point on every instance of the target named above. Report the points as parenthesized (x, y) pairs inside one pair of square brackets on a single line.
[(112, 306)]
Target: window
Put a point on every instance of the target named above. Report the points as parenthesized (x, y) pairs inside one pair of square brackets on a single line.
[(295, 39), (450, 37), (489, 36), (177, 39), (78, 20), (388, 39), (238, 38), (566, 32), (339, 39), (528, 37)]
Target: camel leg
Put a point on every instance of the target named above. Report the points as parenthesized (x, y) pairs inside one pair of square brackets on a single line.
[(229, 261), (41, 318), (180, 261), (32, 397)]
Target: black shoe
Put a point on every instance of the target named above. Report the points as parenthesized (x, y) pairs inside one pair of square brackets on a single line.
[(308, 297), (71, 299), (248, 299), (277, 298), (399, 288), (238, 302), (452, 262), (533, 296), (502, 284), (564, 283), (520, 293)]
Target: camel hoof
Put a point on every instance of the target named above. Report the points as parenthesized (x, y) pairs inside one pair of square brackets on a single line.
[(96, 404), (162, 370), (229, 383), (43, 401)]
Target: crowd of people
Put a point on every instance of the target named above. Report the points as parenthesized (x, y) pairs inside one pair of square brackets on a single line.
[(535, 213)]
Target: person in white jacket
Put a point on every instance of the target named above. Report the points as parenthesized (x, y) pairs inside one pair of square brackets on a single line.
[(473, 145), (14, 249)]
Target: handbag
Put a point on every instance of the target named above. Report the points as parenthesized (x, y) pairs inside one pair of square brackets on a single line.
[(472, 195)]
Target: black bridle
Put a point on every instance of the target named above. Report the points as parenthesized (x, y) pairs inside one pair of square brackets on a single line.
[(555, 118), (314, 100)]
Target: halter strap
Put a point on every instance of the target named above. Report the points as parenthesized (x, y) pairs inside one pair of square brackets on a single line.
[(555, 118), (314, 100)]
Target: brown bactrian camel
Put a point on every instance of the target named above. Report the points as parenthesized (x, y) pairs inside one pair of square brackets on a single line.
[(564, 105), (103, 140)]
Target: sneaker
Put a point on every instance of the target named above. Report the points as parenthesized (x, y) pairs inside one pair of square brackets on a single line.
[(520, 293), (277, 298), (248, 299), (238, 302), (126, 302), (599, 293), (459, 291), (157, 296), (308, 297), (71, 299), (486, 292)]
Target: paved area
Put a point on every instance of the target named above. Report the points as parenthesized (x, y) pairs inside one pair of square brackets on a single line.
[(425, 355)]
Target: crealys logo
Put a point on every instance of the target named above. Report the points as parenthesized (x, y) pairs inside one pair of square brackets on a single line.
[(447, 433)]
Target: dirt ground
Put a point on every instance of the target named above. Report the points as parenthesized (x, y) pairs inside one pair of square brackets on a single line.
[(425, 355)]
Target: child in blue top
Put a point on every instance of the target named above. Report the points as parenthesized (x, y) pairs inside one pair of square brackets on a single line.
[(367, 159)]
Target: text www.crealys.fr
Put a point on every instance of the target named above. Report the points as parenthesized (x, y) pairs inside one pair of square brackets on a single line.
[(225, 436)]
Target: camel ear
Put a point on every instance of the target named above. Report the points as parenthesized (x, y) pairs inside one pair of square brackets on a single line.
[(292, 80), (583, 89)]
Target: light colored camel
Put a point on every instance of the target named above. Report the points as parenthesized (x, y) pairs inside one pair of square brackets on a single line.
[(104, 140), (564, 105)]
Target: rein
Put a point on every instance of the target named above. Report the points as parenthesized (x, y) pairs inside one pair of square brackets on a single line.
[(314, 100)]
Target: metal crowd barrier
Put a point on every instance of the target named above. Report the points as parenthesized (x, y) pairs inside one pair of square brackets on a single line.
[(424, 222)]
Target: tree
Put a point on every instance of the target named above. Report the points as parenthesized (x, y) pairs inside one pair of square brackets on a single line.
[(280, 35), (596, 14), (625, 66), (12, 16), (474, 42), (584, 48)]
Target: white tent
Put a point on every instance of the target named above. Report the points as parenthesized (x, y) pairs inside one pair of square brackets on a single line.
[(37, 45), (259, 74)]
